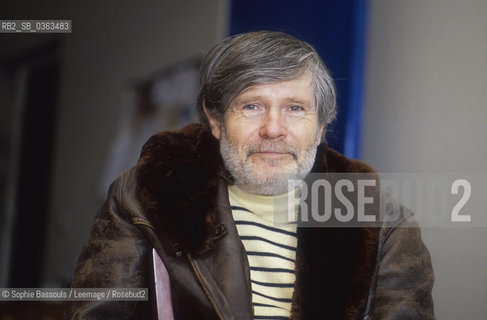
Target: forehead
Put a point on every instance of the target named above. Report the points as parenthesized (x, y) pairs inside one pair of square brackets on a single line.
[(297, 89)]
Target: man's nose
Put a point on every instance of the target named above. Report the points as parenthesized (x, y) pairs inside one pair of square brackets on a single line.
[(273, 125)]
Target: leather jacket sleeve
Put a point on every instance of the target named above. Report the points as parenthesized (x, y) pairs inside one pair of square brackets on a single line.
[(116, 256), (405, 276)]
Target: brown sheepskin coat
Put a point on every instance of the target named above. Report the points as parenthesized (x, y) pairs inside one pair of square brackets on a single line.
[(175, 200)]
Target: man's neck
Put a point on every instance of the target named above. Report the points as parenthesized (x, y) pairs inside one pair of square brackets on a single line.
[(274, 208)]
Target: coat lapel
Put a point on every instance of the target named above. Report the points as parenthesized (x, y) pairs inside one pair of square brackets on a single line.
[(334, 269), (334, 266)]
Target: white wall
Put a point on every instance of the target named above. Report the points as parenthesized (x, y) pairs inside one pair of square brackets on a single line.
[(426, 111)]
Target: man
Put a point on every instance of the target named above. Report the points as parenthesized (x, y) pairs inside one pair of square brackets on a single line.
[(205, 197)]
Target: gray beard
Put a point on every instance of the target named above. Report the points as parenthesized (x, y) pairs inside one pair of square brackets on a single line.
[(246, 174)]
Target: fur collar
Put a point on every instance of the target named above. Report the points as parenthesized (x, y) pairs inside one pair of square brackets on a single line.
[(334, 267), (177, 180)]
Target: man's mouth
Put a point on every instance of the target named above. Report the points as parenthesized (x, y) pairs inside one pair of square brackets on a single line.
[(272, 150), (273, 154)]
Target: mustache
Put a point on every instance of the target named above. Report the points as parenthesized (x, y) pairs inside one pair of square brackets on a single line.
[(271, 147)]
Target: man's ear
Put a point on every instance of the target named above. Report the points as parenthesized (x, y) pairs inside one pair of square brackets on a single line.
[(214, 123)]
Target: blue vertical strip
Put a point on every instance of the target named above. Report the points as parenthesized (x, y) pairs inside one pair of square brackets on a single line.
[(337, 30), (353, 126)]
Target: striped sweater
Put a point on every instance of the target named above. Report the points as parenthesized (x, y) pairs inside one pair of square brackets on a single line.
[(271, 250)]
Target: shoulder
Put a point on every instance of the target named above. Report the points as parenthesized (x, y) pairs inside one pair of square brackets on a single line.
[(190, 145)]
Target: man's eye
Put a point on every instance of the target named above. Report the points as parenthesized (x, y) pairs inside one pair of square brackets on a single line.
[(296, 108), (250, 107)]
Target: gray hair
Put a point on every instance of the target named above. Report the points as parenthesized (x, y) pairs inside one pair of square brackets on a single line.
[(249, 59)]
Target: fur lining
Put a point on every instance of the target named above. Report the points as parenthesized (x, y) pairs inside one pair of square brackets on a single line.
[(334, 269), (177, 180)]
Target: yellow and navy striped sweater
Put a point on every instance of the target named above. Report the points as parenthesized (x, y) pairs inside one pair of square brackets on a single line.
[(271, 250)]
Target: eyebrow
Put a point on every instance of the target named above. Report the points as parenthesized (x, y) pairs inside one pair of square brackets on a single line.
[(251, 99)]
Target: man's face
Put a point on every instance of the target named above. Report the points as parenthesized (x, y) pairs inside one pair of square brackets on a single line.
[(269, 135)]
